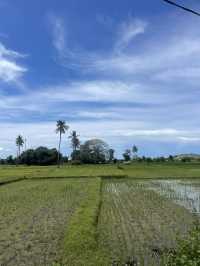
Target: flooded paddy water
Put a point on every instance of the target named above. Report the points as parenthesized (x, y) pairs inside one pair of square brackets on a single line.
[(141, 220), (184, 193)]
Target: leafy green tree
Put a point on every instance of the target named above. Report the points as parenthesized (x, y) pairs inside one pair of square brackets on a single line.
[(61, 128), (127, 155), (170, 158), (39, 156), (19, 143), (94, 151), (10, 160), (76, 156), (186, 159), (75, 143)]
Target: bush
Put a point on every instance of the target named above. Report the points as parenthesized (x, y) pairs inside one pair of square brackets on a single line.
[(39, 156), (76, 162), (188, 252)]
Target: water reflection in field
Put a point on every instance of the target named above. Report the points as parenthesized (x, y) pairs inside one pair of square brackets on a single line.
[(184, 193)]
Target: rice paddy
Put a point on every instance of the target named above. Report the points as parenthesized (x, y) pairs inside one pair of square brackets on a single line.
[(140, 221), (59, 220), (34, 216)]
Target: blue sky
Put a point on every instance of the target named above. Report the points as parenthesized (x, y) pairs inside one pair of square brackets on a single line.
[(124, 71)]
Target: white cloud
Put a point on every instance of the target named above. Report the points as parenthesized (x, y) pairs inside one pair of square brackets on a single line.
[(87, 61), (128, 96), (164, 58), (128, 30), (189, 139), (58, 33), (38, 134), (186, 73), (156, 61), (86, 91), (10, 69), (163, 132)]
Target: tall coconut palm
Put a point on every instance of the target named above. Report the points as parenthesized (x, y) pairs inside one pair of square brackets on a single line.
[(19, 143), (75, 142), (61, 128), (135, 150)]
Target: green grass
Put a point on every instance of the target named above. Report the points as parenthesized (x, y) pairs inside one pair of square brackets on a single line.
[(81, 239), (63, 171), (188, 250), (54, 217), (34, 216), (137, 224), (162, 170), (9, 179), (135, 170)]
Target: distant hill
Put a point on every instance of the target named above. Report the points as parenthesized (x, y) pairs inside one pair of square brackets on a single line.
[(191, 156)]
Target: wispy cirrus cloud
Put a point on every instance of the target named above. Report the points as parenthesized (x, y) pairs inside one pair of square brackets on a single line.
[(128, 30), (84, 60), (10, 69), (58, 33), (164, 62)]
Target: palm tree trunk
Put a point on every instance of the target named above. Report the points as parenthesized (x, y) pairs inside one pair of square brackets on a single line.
[(58, 162)]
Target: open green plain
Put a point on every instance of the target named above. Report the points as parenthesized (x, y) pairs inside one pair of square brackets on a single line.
[(96, 214), (135, 170)]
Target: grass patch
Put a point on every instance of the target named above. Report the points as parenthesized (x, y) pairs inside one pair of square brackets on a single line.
[(81, 239), (134, 170), (34, 215), (188, 251), (137, 225), (8, 180)]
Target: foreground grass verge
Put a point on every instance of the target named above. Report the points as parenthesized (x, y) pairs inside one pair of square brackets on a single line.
[(188, 251), (81, 239)]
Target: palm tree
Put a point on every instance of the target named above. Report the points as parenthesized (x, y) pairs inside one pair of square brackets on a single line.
[(135, 150), (74, 140), (111, 154), (61, 128), (19, 143)]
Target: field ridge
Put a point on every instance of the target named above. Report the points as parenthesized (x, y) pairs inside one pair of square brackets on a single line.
[(81, 239)]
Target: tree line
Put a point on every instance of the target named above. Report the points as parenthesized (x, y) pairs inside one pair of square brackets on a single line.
[(92, 151)]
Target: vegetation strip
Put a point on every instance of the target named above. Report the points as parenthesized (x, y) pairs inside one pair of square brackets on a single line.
[(81, 239), (11, 180), (188, 251), (79, 177)]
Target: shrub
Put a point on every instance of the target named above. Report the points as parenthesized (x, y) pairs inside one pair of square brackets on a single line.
[(39, 156), (188, 252)]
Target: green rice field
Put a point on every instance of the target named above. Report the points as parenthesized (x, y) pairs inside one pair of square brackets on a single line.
[(96, 215)]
